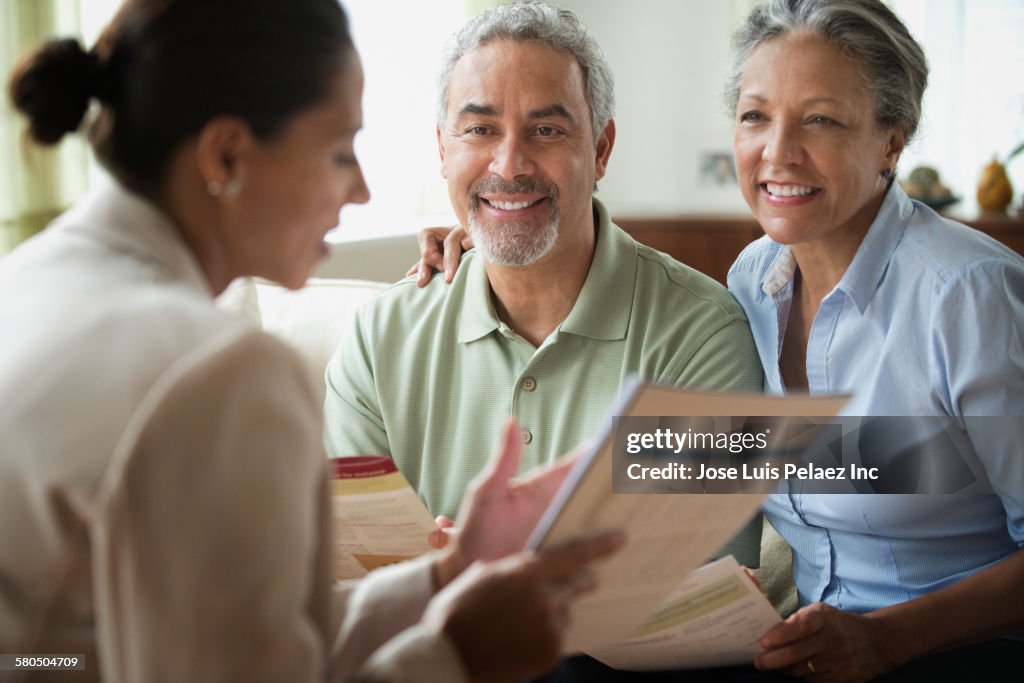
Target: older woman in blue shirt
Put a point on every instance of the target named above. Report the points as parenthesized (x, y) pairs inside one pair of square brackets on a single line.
[(857, 289)]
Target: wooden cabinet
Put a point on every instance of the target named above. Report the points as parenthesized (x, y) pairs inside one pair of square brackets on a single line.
[(711, 243)]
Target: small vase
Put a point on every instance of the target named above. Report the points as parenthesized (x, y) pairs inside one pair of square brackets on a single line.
[(994, 189)]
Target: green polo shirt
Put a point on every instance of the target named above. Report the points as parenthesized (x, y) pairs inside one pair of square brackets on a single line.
[(429, 376)]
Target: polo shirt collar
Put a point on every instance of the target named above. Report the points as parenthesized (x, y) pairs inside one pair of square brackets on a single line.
[(478, 317), (604, 304)]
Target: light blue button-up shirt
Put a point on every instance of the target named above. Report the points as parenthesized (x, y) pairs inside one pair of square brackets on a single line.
[(927, 320)]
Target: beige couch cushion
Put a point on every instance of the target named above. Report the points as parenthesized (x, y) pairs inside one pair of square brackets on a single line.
[(312, 319), (776, 572)]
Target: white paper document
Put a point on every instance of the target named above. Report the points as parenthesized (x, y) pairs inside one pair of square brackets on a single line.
[(379, 519), (668, 534), (715, 617)]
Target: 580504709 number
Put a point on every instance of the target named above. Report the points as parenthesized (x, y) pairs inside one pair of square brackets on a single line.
[(38, 662)]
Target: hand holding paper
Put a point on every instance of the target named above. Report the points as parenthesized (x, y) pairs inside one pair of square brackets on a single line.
[(498, 513), (523, 499), (670, 533), (509, 616)]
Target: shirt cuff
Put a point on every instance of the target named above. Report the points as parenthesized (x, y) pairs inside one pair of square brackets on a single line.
[(378, 608), (408, 585), (417, 654)]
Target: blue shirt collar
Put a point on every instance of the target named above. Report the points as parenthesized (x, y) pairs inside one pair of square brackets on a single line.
[(865, 272)]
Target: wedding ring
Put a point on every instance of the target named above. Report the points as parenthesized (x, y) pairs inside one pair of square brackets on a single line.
[(810, 665)]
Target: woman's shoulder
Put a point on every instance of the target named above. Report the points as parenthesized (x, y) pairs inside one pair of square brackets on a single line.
[(952, 250), (750, 267), (761, 250)]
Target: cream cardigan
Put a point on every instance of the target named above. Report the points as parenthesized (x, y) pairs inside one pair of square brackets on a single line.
[(164, 508)]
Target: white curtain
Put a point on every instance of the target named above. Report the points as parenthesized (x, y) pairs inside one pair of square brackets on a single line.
[(974, 106), (35, 183)]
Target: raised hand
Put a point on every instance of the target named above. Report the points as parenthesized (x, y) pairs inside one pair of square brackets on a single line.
[(498, 513)]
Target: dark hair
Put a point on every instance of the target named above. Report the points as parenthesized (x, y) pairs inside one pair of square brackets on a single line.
[(164, 68)]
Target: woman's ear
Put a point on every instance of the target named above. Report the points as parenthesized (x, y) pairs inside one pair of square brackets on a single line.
[(894, 147), (222, 154)]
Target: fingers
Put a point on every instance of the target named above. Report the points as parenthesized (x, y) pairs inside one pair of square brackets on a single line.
[(453, 245), (426, 272), (440, 248), (545, 481), (531, 592), (567, 590), (440, 537), (505, 463), (566, 570), (563, 561), (437, 539), (792, 657), (801, 624), (789, 645), (430, 242)]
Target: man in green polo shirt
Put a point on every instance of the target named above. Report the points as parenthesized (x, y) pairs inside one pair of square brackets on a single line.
[(554, 308)]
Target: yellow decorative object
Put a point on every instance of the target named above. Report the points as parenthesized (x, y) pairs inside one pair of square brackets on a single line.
[(994, 190)]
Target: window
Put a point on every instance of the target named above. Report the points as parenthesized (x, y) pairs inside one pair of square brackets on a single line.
[(400, 44), (974, 105)]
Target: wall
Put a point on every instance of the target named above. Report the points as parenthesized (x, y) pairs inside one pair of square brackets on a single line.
[(670, 67)]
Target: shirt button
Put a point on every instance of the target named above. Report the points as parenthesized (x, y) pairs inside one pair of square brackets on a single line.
[(526, 436), (529, 384)]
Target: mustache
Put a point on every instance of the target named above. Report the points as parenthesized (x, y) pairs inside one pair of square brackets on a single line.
[(502, 186)]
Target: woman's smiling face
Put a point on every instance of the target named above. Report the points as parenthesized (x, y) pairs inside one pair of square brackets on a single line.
[(809, 152)]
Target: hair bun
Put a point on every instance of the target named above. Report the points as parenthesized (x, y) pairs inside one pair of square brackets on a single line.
[(53, 86)]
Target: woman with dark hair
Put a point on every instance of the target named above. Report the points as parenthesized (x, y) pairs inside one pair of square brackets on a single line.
[(165, 507)]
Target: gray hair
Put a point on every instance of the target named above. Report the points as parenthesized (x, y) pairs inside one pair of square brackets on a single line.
[(891, 61), (531, 21)]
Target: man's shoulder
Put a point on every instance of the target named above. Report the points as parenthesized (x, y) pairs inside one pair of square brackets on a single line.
[(679, 289), (410, 306)]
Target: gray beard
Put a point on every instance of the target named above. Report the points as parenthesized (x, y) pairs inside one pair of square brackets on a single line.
[(514, 243)]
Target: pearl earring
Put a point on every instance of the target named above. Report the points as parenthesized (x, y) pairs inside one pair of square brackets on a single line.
[(230, 190)]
